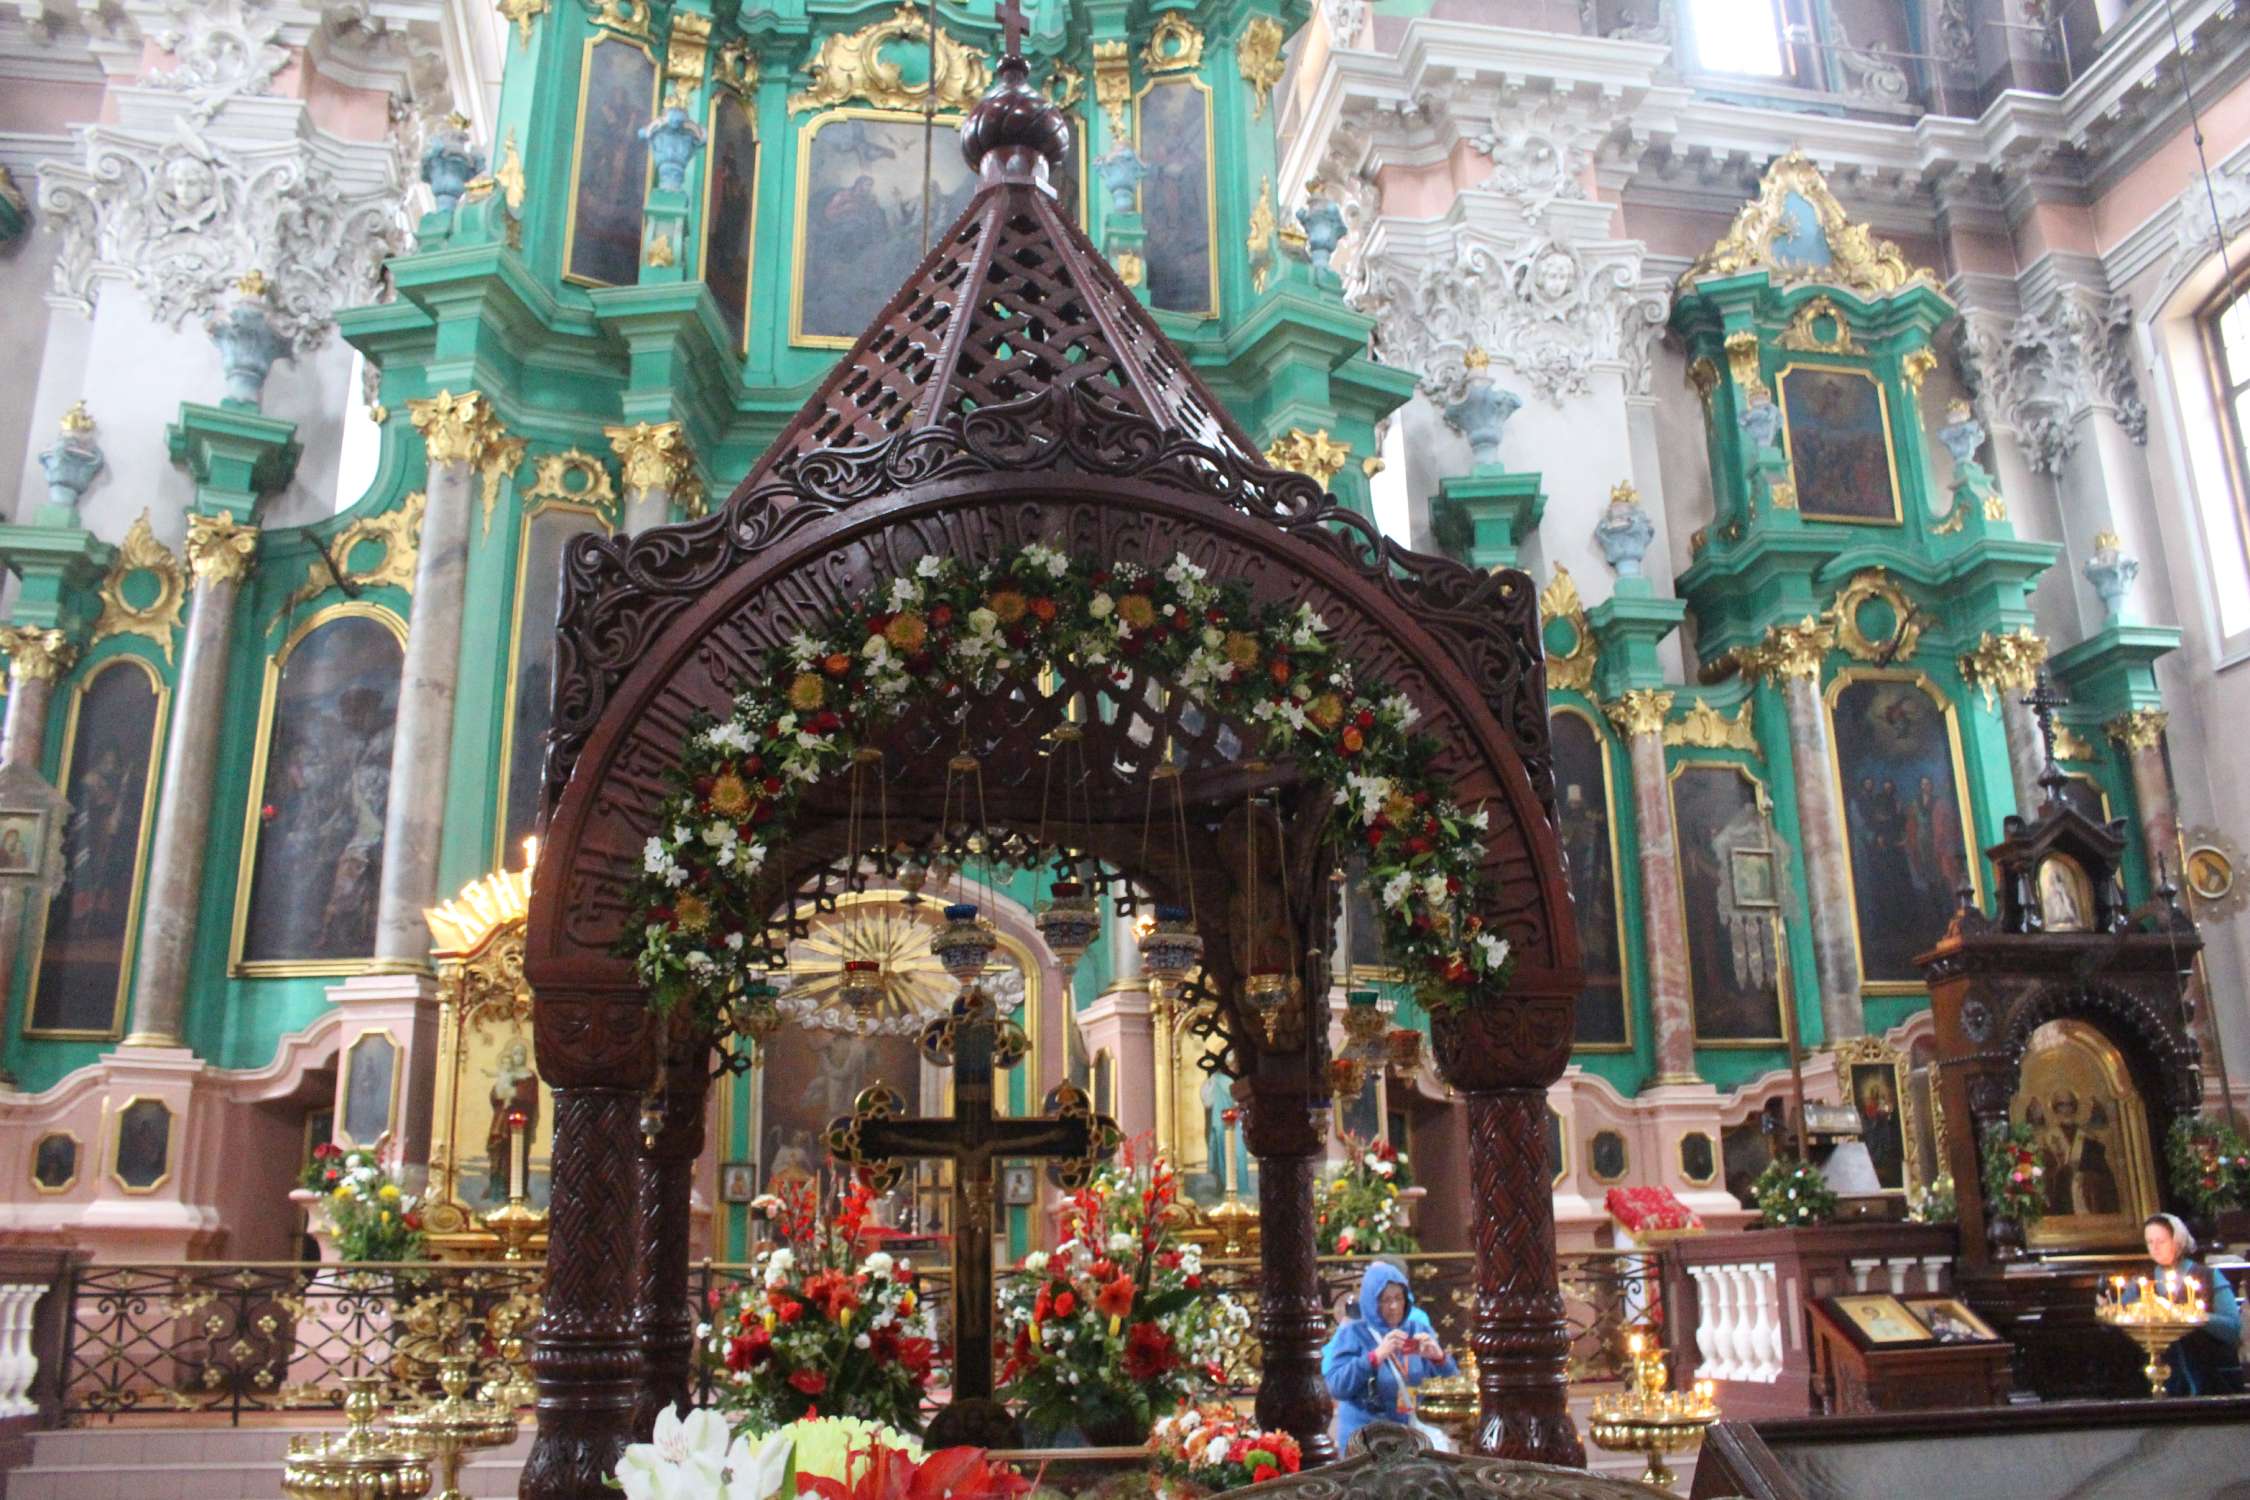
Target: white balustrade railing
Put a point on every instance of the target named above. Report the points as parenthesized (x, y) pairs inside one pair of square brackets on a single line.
[(19, 1359), (1738, 1325)]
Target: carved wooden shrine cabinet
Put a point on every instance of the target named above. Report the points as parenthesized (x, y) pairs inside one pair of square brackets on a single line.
[(1015, 391), (2069, 1014)]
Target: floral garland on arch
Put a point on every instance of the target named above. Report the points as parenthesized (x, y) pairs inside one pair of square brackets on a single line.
[(701, 925)]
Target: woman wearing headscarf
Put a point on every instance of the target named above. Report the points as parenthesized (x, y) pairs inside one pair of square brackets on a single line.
[(2205, 1362), (1376, 1355)]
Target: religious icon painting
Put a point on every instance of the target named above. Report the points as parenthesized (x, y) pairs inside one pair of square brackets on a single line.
[(370, 1089), (23, 838), (730, 211), (1699, 1158), (1585, 816), (1879, 1318), (738, 1181), (1606, 1156), (1905, 818), (54, 1162), (1951, 1321), (547, 529), (2066, 895), (610, 175), (1172, 134), (861, 224), (141, 1157), (1733, 959), (2089, 1125), (1882, 1120), (319, 791), (1019, 1185), (1836, 432), (85, 949)]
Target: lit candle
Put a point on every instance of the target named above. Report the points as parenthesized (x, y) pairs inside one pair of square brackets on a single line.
[(1633, 1345), (518, 1153)]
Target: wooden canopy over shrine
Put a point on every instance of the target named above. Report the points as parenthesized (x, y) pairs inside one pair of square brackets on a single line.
[(1015, 391)]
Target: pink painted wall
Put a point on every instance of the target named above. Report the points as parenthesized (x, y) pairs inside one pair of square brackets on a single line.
[(40, 107), (2150, 187)]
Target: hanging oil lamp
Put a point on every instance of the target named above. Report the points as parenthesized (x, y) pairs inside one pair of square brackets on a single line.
[(964, 945), (1170, 946), (1346, 1077), (1069, 922), (1364, 1023), (1267, 991), (860, 986), (1404, 1045)]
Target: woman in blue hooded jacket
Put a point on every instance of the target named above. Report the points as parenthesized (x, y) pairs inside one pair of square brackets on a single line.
[(1368, 1357)]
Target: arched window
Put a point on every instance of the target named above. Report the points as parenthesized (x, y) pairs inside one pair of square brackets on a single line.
[(2226, 335), (1746, 37)]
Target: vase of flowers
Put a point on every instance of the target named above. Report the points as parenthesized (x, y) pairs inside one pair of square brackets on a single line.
[(1792, 1194), (2015, 1193), (700, 1456), (374, 1219), (1362, 1211), (2210, 1168), (825, 1325), (1208, 1449), (1117, 1324)]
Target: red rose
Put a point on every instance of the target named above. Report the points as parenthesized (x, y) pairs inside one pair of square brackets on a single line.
[(1065, 1303), (749, 1350), (942, 615), (810, 1382)]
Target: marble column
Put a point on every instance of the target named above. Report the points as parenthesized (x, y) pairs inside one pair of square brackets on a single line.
[(1792, 654), (2139, 737), (459, 432), (37, 659), (2006, 667), (659, 468), (1639, 715), (220, 552)]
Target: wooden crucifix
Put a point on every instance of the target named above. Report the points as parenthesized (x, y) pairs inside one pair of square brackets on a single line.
[(874, 1138)]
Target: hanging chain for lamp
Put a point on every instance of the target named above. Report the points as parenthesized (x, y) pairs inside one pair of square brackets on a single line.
[(1266, 990), (964, 944), (1172, 944), (1070, 919)]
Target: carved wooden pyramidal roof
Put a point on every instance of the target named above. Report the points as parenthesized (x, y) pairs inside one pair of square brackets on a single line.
[(1013, 308)]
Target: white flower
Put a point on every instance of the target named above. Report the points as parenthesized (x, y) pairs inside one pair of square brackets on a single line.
[(1046, 559), (1180, 571), (983, 621), (1493, 950), (734, 942), (1433, 889), (1395, 888), (732, 735), (1214, 637), (1035, 1261), (905, 594), (1121, 1244), (804, 650), (655, 858), (778, 1266), (719, 835), (1217, 1452), (1400, 707), (1101, 606), (755, 1473), (876, 1264), (930, 566), (1480, 820), (877, 650)]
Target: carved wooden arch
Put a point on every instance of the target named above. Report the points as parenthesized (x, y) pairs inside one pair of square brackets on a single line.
[(2164, 1061)]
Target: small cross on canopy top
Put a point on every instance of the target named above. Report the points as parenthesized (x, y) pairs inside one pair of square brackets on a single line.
[(2043, 700), (1011, 27)]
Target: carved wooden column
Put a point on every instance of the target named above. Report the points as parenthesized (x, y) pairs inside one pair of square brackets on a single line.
[(1284, 1134), (666, 1181), (587, 1355), (1494, 1055)]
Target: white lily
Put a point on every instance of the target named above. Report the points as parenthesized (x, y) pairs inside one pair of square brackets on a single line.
[(757, 1473)]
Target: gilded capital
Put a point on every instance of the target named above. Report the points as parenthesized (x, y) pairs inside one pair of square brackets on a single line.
[(35, 654), (655, 454), (1639, 711), (220, 549), (455, 429), (1792, 650), (2140, 729), (1314, 454), (2004, 663)]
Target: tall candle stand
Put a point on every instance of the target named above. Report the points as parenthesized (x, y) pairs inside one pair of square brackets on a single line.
[(1646, 1418), (359, 1463), (449, 1430), (2153, 1316), (518, 1223)]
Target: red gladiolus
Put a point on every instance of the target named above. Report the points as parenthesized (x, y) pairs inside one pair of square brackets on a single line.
[(1065, 1303)]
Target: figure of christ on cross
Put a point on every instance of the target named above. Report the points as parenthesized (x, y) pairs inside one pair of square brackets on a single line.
[(873, 1139)]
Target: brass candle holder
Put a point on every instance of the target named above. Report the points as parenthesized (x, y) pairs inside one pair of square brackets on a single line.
[(1647, 1419), (450, 1429), (360, 1463), (1451, 1403), (2154, 1317)]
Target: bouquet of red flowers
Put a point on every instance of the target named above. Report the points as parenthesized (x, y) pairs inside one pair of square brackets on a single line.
[(1212, 1446), (1646, 1210), (1118, 1323), (826, 1326), (325, 1170), (885, 1473), (2014, 1177)]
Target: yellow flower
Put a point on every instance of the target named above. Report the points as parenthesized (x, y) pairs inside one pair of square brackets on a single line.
[(730, 796), (1242, 649), (907, 631), (385, 1216), (1399, 808), (808, 692), (1137, 611), (1008, 606), (692, 912), (388, 1192), (1326, 712)]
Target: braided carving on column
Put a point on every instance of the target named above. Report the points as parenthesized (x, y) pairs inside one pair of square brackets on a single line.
[(1522, 1339), (586, 1356), (1292, 1321), (667, 1322)]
